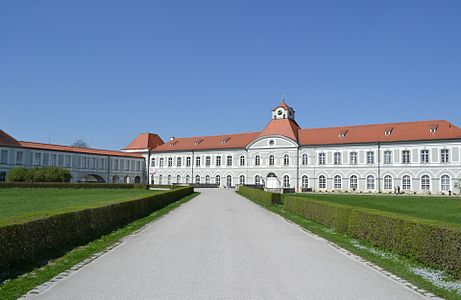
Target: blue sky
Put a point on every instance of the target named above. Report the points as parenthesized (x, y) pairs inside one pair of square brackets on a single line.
[(104, 71)]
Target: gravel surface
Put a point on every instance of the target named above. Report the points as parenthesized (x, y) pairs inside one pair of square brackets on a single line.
[(222, 246)]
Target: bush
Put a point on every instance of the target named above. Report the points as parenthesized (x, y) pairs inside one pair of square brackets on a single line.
[(69, 185), (259, 195), (29, 242), (48, 174), (434, 243)]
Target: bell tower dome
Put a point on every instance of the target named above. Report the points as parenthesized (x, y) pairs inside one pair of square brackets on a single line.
[(283, 111)]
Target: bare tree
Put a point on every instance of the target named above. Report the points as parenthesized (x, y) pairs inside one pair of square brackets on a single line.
[(80, 144)]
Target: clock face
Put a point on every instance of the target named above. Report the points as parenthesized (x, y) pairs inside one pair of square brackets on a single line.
[(280, 112)]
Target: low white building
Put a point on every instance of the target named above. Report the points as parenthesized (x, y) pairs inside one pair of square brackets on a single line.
[(413, 157)]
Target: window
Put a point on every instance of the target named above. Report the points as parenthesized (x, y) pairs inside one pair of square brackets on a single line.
[(229, 180), (370, 182), (37, 159), (218, 161), (258, 180), (178, 161), (406, 183), (370, 157), (160, 163), (257, 160), (229, 160), (322, 182), (197, 179), (353, 158), (170, 161), (188, 177), (19, 158), (305, 159), (387, 157), (127, 165), (388, 182), (286, 160), (178, 178), (84, 162), (321, 158), (4, 157), (168, 180), (160, 179), (2, 176), (304, 182), (60, 160), (337, 180), (152, 162), (425, 183), (405, 156), (242, 179), (444, 155), (188, 161), (445, 183), (286, 181), (207, 179), (353, 182), (68, 162), (242, 160), (337, 158), (424, 156), (138, 165), (271, 160), (208, 161), (115, 164), (46, 159), (218, 180), (197, 161)]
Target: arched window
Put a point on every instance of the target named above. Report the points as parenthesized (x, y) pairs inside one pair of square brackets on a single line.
[(353, 182), (286, 160), (137, 179), (229, 180), (406, 183), (370, 182), (160, 179), (286, 181), (168, 180), (322, 182), (257, 160), (178, 178), (197, 179), (242, 160), (218, 180), (207, 179), (271, 160), (187, 178), (304, 182), (388, 182), (445, 182), (242, 179), (305, 159), (337, 182), (425, 183), (115, 179), (258, 180)]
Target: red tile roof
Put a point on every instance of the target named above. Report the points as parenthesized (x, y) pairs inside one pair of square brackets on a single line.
[(51, 147), (284, 127), (145, 141), (8, 140), (283, 104)]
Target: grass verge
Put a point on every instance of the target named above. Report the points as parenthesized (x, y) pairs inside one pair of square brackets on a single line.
[(14, 288), (434, 281)]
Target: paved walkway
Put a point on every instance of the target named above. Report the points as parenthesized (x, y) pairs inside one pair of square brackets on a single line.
[(222, 246)]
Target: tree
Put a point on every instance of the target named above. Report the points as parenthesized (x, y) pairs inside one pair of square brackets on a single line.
[(80, 144)]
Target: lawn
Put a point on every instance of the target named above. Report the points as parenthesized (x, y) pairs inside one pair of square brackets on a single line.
[(21, 205), (433, 208)]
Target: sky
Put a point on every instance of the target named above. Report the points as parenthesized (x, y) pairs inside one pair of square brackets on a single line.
[(105, 71)]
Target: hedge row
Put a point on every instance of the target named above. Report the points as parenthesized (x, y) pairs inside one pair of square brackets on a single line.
[(260, 195), (28, 242), (433, 243), (68, 185)]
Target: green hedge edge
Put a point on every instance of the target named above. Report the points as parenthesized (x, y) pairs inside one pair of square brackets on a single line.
[(86, 185), (260, 195)]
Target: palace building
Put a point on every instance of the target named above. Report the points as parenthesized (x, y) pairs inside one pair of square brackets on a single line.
[(414, 157)]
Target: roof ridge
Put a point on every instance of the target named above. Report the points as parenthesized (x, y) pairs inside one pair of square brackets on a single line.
[(89, 148), (377, 124), (217, 135)]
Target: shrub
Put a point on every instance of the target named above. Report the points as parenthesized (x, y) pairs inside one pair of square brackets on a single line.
[(434, 243), (259, 195), (18, 174), (48, 174), (28, 242), (69, 185)]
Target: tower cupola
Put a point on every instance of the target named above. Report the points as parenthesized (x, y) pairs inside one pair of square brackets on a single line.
[(283, 111)]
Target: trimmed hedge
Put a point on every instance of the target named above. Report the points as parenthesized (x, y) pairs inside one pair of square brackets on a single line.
[(433, 243), (29, 242), (68, 185), (259, 195)]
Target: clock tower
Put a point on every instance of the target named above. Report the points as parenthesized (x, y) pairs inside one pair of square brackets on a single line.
[(283, 111)]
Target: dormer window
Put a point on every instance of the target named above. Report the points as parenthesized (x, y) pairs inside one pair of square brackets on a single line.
[(225, 140), (173, 143), (388, 131), (433, 128), (343, 133), (197, 142)]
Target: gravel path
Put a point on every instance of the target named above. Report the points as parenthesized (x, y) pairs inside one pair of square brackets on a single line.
[(222, 246)]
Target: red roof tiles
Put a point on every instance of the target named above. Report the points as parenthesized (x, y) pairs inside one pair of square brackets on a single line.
[(8, 140), (145, 141), (284, 127)]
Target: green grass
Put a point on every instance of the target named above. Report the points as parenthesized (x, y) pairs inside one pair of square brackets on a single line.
[(14, 288), (394, 263), (23, 205), (445, 209)]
